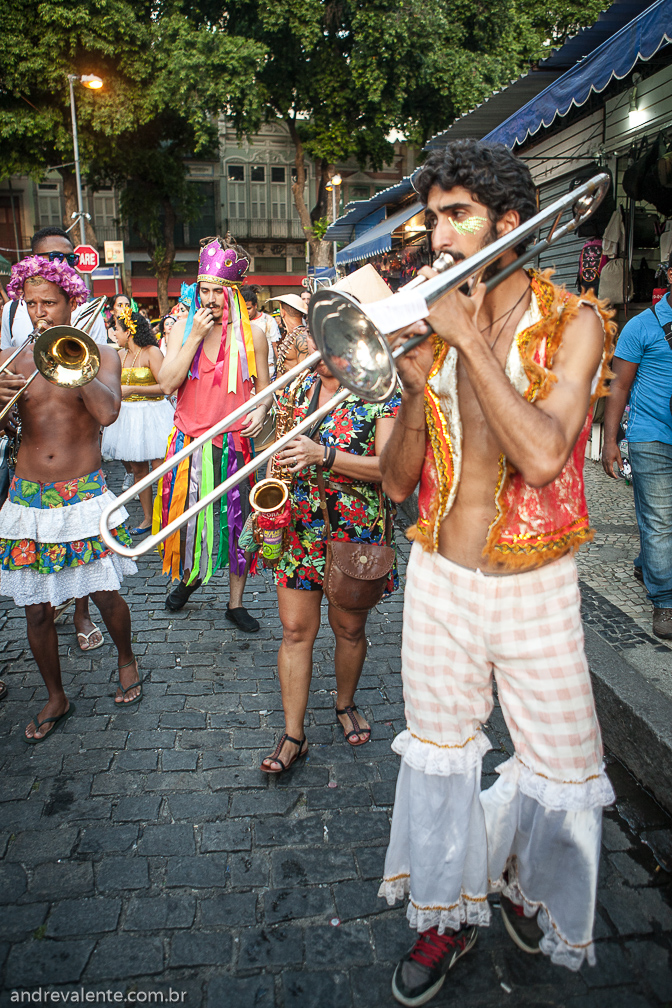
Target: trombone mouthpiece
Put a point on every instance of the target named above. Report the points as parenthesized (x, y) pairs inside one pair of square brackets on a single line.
[(443, 262)]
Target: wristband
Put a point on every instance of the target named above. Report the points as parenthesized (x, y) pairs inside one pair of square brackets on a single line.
[(332, 458)]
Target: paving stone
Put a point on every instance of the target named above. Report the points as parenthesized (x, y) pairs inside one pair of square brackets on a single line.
[(137, 809), (198, 808), (248, 870), (142, 759), (632, 872), (60, 880), (293, 904), (229, 910), (258, 803), (83, 917), (35, 846), (164, 840), (358, 827), (308, 866), (182, 719), (254, 992), (289, 833), (200, 949), (310, 989), (341, 797), (139, 956), (614, 836), (99, 839), (354, 900), (342, 946), (201, 872), (636, 911), (261, 947), (118, 873), (228, 836), (155, 913), (36, 964), (178, 759), (392, 937), (22, 920)]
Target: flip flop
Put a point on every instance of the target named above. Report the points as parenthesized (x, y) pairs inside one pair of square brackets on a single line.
[(92, 647), (59, 610), (38, 724), (3, 690), (120, 704)]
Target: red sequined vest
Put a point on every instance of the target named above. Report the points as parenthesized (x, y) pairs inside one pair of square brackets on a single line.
[(532, 525)]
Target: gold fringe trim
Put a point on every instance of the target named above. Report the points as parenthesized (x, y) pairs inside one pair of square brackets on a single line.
[(438, 745)]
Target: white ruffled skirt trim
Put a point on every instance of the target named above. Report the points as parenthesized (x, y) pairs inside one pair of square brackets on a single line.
[(28, 587), (442, 761), (140, 432), (59, 524), (534, 839)]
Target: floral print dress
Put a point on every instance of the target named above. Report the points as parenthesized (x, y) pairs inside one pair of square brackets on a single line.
[(354, 507)]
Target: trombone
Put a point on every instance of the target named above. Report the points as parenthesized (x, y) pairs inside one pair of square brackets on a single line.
[(352, 343), (65, 355)]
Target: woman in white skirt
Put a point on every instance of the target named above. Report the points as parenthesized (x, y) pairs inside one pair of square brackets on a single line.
[(140, 434)]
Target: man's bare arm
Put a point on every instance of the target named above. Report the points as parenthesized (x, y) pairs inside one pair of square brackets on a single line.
[(177, 361), (10, 384), (403, 454), (536, 438), (625, 372), (102, 396)]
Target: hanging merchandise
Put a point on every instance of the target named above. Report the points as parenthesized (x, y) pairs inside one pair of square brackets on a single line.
[(611, 281), (643, 280), (645, 230), (613, 239), (647, 177), (591, 263), (666, 241), (598, 220)]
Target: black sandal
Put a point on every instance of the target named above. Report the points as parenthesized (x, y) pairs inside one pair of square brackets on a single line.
[(356, 730), (275, 756)]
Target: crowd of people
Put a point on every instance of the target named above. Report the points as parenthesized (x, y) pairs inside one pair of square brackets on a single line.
[(490, 419)]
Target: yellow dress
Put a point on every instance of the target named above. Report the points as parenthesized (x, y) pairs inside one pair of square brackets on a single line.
[(140, 433)]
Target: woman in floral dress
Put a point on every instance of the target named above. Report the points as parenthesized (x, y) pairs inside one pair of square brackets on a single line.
[(347, 444)]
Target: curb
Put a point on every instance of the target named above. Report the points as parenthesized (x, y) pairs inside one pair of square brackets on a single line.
[(635, 717)]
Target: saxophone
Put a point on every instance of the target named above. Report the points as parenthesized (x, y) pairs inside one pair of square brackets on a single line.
[(269, 498)]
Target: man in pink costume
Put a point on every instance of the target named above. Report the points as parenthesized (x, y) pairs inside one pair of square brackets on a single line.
[(215, 361)]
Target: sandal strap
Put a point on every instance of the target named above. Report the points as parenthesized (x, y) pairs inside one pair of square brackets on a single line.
[(275, 755), (133, 659)]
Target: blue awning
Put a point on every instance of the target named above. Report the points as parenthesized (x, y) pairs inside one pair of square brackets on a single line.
[(355, 212), (377, 239), (640, 39)]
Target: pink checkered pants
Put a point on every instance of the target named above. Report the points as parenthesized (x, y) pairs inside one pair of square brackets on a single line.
[(462, 627)]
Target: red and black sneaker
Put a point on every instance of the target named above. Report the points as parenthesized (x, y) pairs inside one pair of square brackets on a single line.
[(525, 931), (421, 972)]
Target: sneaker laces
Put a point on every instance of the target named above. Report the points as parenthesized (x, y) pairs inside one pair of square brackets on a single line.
[(431, 947)]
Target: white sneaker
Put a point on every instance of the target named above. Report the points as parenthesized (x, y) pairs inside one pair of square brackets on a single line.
[(128, 482)]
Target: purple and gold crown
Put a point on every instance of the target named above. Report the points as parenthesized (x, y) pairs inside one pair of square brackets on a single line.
[(221, 265)]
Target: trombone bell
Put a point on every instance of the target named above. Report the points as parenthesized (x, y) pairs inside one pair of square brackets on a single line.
[(66, 356), (353, 348)]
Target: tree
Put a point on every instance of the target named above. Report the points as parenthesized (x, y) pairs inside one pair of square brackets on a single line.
[(342, 75), (167, 76)]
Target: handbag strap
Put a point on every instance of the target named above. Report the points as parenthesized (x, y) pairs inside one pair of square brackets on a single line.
[(323, 502)]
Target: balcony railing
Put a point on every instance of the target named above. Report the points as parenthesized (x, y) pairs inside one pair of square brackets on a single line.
[(260, 228)]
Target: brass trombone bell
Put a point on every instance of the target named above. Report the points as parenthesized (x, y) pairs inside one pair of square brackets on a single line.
[(66, 356)]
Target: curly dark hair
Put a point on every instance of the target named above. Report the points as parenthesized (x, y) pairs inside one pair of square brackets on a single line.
[(143, 335), (489, 171)]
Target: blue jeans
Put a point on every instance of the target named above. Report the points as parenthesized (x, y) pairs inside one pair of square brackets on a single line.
[(652, 482)]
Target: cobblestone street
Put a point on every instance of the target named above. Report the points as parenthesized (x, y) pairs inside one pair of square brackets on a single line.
[(143, 850)]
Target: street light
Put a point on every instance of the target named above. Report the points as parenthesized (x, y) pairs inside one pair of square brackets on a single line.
[(94, 83), (331, 187)]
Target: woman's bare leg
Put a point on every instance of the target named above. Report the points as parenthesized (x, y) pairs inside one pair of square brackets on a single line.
[(300, 618), (350, 633)]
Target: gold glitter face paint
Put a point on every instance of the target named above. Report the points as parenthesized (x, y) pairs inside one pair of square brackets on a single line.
[(468, 226)]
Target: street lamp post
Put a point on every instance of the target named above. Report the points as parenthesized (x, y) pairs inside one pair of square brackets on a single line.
[(332, 186), (94, 83)]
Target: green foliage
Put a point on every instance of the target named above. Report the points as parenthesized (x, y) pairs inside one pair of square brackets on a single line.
[(320, 227)]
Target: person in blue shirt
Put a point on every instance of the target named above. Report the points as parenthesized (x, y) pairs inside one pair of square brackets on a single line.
[(643, 368)]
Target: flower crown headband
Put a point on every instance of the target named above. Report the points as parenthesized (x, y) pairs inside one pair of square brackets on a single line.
[(35, 268)]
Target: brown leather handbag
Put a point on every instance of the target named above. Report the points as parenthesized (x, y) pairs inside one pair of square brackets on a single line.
[(355, 574)]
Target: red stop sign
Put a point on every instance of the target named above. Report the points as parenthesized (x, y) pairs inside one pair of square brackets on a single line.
[(88, 258)]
